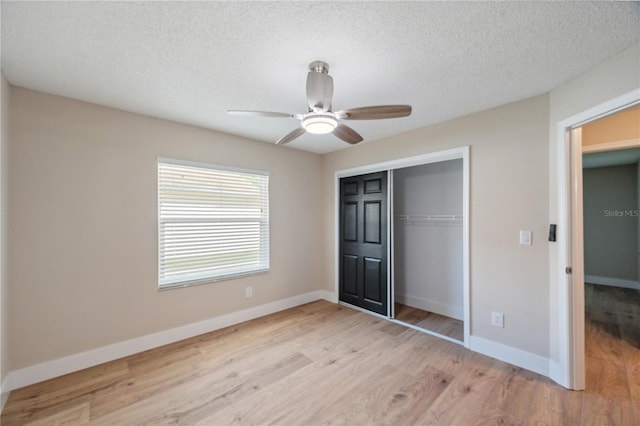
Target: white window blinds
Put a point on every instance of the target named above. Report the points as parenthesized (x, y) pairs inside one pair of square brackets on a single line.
[(212, 223)]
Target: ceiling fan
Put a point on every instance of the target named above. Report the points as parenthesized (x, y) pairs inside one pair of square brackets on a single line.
[(320, 119)]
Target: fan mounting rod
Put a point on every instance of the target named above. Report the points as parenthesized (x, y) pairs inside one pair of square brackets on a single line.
[(319, 66)]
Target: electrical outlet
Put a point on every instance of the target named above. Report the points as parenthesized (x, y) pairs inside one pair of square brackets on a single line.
[(497, 319), (248, 292)]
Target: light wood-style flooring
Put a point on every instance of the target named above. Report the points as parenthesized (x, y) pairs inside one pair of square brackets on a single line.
[(612, 334), (326, 364), (440, 324)]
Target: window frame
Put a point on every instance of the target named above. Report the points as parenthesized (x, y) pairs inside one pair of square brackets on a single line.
[(222, 277)]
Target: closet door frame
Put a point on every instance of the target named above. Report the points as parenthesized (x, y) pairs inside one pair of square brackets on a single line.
[(389, 166)]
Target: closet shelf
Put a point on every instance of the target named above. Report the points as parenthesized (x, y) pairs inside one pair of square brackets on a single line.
[(431, 219)]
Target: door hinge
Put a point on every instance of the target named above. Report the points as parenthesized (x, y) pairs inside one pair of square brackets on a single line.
[(568, 270)]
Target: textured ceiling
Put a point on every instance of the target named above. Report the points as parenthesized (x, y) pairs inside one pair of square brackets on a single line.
[(191, 61)]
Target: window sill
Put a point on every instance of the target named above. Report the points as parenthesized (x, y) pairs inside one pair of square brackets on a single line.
[(183, 284)]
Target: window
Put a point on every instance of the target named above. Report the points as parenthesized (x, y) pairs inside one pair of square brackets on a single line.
[(213, 223)]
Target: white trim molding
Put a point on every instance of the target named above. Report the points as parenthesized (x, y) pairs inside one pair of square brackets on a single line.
[(518, 357), (330, 296), (69, 364)]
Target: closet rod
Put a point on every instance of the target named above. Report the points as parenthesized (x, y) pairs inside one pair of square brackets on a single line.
[(429, 218)]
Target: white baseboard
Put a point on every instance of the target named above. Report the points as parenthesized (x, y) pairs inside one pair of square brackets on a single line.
[(330, 296), (613, 282), (58, 367), (527, 360), (555, 374), (450, 311)]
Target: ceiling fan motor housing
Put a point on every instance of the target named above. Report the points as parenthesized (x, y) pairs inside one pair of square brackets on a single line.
[(319, 87)]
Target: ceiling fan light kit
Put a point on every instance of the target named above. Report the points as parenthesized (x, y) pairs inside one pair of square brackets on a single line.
[(320, 119), (319, 124)]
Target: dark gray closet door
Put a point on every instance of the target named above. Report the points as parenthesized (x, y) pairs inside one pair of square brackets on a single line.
[(363, 241)]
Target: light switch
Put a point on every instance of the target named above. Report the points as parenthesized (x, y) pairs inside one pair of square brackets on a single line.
[(525, 238)]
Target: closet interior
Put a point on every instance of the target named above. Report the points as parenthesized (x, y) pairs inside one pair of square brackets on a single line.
[(428, 247)]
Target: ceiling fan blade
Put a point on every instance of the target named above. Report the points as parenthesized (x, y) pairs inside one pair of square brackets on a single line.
[(299, 131), (347, 134), (261, 113), (375, 112), (319, 91)]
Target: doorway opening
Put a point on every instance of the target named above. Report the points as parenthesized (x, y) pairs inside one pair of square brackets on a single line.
[(427, 242), (570, 368), (402, 239), (611, 247)]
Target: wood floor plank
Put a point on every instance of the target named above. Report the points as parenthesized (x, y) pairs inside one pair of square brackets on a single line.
[(612, 355), (323, 363), (77, 414), (455, 359), (446, 326), (28, 402), (607, 400), (411, 357), (226, 350), (207, 406), (610, 345), (208, 391), (633, 372), (514, 391), (142, 385), (601, 411), (554, 405), (323, 382), (413, 398), (468, 390), (362, 402)]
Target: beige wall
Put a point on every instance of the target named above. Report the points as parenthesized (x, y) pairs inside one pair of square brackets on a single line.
[(4, 191), (83, 226), (614, 77), (509, 193)]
